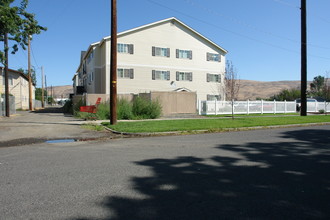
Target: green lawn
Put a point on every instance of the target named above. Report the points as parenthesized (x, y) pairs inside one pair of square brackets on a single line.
[(216, 124)]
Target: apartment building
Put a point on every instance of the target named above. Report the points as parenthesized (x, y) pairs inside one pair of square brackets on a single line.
[(166, 55)]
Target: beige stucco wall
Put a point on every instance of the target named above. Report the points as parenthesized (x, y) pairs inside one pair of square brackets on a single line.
[(176, 102), (19, 89), (171, 36)]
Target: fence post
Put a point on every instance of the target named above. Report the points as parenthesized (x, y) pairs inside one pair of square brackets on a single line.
[(215, 107), (232, 107), (248, 106), (199, 106), (262, 106), (325, 106), (274, 106), (316, 106), (285, 106)]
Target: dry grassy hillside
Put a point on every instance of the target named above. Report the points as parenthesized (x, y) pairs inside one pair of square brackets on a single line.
[(248, 89), (60, 91), (256, 89)]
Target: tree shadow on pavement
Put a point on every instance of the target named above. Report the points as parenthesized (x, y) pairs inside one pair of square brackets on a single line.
[(54, 109), (283, 180)]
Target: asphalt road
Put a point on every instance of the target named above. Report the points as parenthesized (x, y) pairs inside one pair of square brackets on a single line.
[(261, 174)]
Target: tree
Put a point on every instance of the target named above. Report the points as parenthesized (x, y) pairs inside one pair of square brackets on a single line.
[(33, 74), (232, 84), (38, 94), (18, 26), (317, 86), (287, 95)]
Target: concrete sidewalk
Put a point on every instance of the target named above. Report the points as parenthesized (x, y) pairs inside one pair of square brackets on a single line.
[(47, 124)]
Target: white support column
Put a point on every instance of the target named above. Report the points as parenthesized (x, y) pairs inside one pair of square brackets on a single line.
[(248, 107), (274, 106), (285, 106), (262, 106)]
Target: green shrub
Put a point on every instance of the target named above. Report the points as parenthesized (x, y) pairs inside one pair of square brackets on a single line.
[(138, 109), (76, 107), (144, 109), (321, 111), (124, 109), (86, 115), (154, 109), (68, 107), (103, 110)]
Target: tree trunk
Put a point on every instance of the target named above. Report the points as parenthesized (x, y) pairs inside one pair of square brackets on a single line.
[(232, 109)]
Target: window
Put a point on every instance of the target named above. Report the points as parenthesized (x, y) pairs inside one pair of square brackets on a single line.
[(184, 54), (160, 75), (213, 57), (90, 78), (183, 76), (125, 73), (213, 78), (213, 97), (90, 57), (160, 52), (125, 48)]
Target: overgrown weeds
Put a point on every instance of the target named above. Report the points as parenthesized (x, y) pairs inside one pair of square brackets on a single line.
[(139, 108)]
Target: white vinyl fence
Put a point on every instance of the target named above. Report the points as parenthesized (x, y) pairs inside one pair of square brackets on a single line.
[(256, 107)]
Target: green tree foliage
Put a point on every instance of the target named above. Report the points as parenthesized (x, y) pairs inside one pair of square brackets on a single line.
[(287, 94), (18, 24), (318, 88), (38, 94), (33, 74)]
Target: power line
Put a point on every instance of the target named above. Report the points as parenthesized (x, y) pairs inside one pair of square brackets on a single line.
[(235, 33), (250, 26), (243, 23), (294, 6), (287, 4), (223, 29), (34, 58)]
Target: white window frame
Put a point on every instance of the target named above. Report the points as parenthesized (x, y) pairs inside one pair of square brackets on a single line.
[(183, 54), (161, 52), (213, 97), (184, 76), (161, 75), (124, 73), (210, 77), (215, 57), (125, 48)]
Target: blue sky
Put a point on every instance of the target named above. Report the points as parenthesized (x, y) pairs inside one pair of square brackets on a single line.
[(262, 36)]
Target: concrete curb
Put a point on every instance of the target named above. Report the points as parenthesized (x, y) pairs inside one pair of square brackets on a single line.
[(174, 133)]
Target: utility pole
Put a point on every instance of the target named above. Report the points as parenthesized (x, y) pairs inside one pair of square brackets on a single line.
[(303, 99), (29, 72), (6, 76), (113, 64), (42, 88), (51, 95), (46, 90)]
